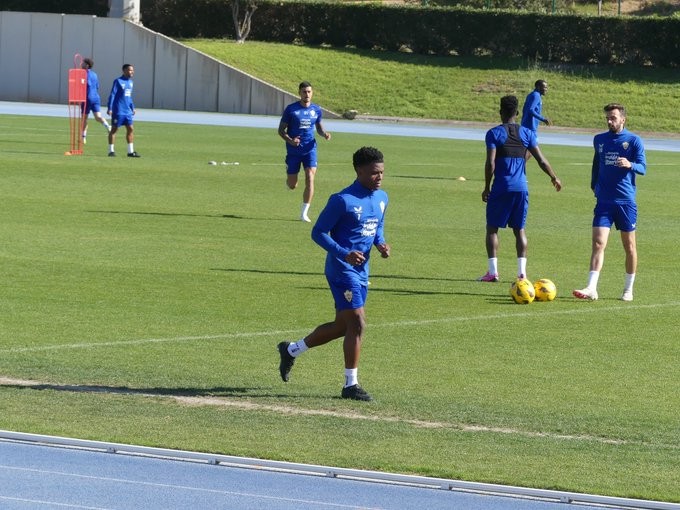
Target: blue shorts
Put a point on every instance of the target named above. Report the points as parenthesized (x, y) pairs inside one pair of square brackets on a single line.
[(93, 106), (121, 120), (293, 162), (348, 296), (507, 209), (623, 216)]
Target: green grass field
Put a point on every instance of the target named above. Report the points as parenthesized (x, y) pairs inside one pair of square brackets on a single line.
[(395, 84), (143, 299)]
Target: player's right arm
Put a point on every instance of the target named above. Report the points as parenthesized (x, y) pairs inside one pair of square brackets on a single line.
[(327, 220), (283, 133), (489, 169), (112, 97)]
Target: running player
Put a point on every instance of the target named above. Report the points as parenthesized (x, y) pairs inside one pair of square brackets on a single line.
[(348, 227), (298, 122)]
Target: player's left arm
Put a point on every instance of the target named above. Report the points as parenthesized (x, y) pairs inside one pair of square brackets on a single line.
[(379, 242), (639, 162), (322, 131)]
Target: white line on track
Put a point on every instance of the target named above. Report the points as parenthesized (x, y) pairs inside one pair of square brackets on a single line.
[(137, 482), (585, 308)]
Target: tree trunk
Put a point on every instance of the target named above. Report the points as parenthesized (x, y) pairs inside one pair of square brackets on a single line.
[(242, 28)]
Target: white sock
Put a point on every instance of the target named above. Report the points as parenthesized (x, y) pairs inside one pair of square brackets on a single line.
[(522, 266), (111, 147), (593, 277), (106, 125), (351, 377), (85, 134), (297, 348), (131, 148), (493, 265), (304, 210), (630, 279)]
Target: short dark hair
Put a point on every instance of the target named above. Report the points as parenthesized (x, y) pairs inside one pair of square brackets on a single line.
[(615, 106), (539, 83), (366, 156), (304, 85), (509, 105), (88, 62), (125, 66)]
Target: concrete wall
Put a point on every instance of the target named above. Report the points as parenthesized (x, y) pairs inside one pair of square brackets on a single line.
[(37, 50)]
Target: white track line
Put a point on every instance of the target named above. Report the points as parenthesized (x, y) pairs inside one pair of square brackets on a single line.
[(582, 308)]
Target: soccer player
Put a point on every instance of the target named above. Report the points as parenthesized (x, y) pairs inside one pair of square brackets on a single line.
[(93, 102), (619, 157), (348, 227), (122, 109), (532, 112), (298, 122), (507, 201)]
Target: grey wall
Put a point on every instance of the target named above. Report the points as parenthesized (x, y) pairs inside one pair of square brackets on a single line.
[(37, 50)]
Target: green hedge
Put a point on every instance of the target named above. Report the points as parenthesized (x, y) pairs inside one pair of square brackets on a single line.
[(561, 38)]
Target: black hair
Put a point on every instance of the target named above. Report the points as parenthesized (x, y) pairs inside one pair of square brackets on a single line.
[(366, 156), (304, 85), (539, 83), (509, 106), (125, 66), (88, 62)]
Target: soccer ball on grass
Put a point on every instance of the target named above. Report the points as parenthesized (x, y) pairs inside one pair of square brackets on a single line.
[(545, 290), (522, 291)]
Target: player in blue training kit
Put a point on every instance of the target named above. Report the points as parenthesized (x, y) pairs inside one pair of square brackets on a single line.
[(297, 126), (532, 112), (348, 227), (619, 157), (507, 201), (122, 109), (93, 102)]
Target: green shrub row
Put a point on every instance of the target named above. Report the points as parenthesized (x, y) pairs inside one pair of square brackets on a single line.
[(560, 38)]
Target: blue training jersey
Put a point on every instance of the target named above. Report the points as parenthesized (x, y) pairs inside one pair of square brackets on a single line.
[(612, 183), (532, 112), (120, 99), (351, 221), (92, 86), (510, 163), (301, 121)]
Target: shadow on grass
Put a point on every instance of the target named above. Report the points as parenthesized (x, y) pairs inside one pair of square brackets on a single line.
[(317, 273), (194, 215), (189, 215), (201, 395)]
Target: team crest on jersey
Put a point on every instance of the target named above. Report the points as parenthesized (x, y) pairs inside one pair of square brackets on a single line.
[(625, 146), (358, 211), (348, 295)]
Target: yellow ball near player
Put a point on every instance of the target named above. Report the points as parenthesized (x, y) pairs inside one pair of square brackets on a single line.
[(545, 290), (522, 291)]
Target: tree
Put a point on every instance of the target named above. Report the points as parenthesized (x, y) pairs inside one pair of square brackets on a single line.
[(242, 27)]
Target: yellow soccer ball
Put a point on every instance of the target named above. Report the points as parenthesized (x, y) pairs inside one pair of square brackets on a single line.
[(545, 290), (522, 291)]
